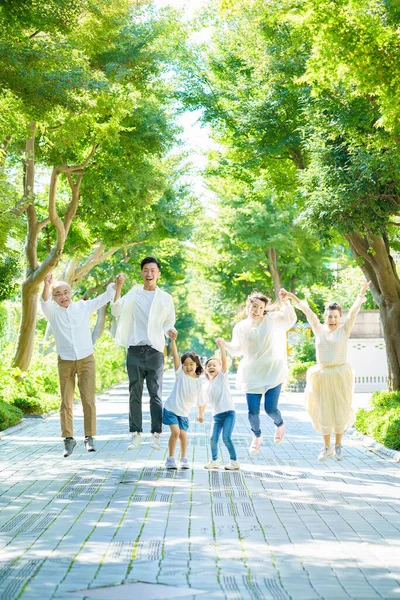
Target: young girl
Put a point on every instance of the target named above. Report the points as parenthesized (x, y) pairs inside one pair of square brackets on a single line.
[(223, 408), (261, 339), (329, 389), (187, 391)]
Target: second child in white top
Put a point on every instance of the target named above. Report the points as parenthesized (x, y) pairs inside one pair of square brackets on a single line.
[(187, 391), (223, 408)]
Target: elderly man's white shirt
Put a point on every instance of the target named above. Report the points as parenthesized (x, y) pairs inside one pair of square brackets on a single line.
[(71, 325), (160, 320)]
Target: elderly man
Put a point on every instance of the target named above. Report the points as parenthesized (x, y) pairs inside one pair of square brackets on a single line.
[(146, 314), (70, 322)]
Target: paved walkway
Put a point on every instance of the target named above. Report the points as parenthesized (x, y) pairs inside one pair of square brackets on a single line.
[(283, 527)]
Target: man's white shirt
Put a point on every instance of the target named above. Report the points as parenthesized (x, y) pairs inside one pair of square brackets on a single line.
[(161, 318), (71, 325), (138, 334)]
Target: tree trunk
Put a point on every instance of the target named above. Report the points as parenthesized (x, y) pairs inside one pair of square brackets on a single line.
[(26, 333), (100, 323), (273, 270), (390, 319), (36, 272), (378, 267)]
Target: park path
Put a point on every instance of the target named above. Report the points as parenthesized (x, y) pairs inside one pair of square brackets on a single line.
[(284, 527)]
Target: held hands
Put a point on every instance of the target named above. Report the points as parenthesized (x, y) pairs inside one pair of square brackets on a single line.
[(220, 342), (119, 280), (172, 333), (287, 295), (283, 294), (200, 418)]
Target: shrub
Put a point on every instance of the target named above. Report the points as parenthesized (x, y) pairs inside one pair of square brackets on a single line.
[(9, 415), (304, 347), (37, 391), (382, 422), (298, 370), (31, 405)]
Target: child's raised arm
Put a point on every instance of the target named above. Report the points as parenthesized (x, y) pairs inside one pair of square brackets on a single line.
[(221, 344), (174, 350)]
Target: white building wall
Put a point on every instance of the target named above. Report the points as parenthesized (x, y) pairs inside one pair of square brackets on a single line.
[(368, 359)]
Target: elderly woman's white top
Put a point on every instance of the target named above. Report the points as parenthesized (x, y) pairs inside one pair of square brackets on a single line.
[(263, 347), (331, 346)]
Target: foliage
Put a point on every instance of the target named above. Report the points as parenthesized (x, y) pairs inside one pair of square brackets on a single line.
[(383, 421), (37, 391), (9, 415), (304, 349), (298, 370), (110, 363), (9, 268)]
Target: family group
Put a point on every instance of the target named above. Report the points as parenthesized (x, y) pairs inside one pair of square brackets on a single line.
[(146, 315)]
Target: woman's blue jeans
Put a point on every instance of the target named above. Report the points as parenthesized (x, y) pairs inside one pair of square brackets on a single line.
[(271, 408), (223, 422)]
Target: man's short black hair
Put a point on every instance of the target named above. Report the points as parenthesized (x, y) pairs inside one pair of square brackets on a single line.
[(148, 260)]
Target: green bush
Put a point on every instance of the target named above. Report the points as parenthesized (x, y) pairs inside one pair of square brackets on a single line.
[(298, 370), (31, 405), (9, 415), (304, 348), (382, 422), (37, 391)]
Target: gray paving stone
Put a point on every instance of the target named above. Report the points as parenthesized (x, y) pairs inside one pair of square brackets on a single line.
[(284, 527)]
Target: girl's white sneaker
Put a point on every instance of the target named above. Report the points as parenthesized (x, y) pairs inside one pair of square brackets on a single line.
[(212, 464), (233, 465)]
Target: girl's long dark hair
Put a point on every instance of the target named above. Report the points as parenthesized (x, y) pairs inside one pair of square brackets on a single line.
[(195, 358)]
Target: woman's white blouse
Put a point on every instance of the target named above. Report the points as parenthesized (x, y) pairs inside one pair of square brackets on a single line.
[(331, 346), (263, 347), (186, 392)]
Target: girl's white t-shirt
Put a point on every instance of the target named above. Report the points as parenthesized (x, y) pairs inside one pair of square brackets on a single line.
[(186, 392), (219, 395)]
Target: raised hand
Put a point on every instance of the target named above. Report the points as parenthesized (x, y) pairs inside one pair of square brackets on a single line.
[(48, 279), (365, 287), (120, 279), (220, 342), (172, 333)]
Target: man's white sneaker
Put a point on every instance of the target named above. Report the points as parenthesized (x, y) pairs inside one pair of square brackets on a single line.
[(233, 465), (155, 441), (255, 445), (338, 452), (134, 441), (212, 464), (184, 463), (325, 454)]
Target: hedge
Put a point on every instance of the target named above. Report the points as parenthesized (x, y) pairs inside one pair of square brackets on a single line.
[(382, 422)]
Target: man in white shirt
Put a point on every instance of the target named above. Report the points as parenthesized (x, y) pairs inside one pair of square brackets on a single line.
[(70, 324), (146, 315)]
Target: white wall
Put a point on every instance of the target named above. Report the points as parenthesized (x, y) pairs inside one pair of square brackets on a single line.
[(368, 359)]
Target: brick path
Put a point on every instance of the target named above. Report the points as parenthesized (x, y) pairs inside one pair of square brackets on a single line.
[(284, 527)]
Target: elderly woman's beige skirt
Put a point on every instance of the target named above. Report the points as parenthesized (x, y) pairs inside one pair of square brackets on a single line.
[(329, 396)]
